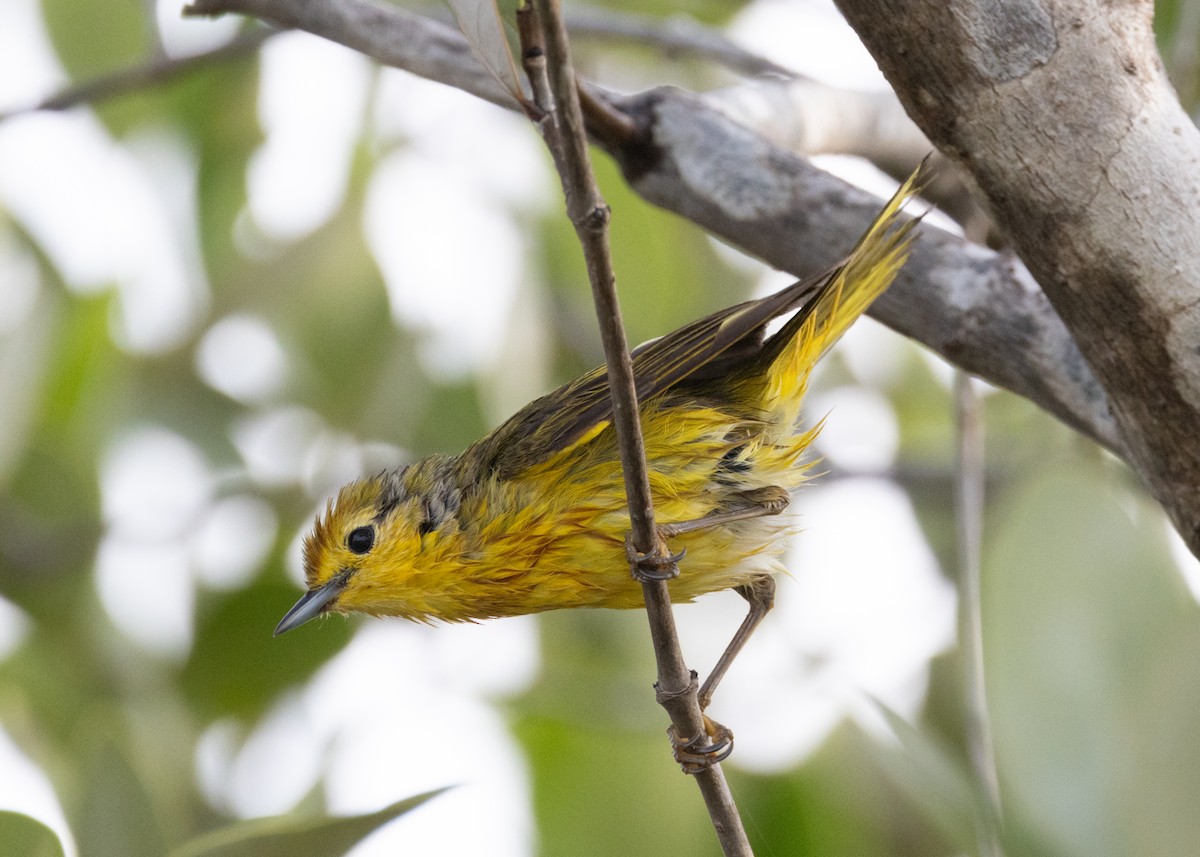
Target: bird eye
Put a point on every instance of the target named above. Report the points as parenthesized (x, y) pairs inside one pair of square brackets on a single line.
[(361, 540)]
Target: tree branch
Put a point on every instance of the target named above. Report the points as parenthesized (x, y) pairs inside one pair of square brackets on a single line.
[(676, 36), (154, 72), (968, 513), (564, 132), (811, 118), (979, 309), (389, 34), (1061, 113), (808, 117)]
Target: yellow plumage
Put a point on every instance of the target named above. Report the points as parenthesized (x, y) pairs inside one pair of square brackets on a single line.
[(533, 516)]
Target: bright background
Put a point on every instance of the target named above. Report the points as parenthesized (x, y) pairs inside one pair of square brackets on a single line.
[(223, 297)]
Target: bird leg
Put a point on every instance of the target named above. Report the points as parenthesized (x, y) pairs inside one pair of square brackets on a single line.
[(705, 749), (714, 745), (717, 742), (760, 593), (659, 564), (696, 754), (758, 503)]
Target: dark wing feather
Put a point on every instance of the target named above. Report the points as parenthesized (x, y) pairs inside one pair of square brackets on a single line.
[(725, 339)]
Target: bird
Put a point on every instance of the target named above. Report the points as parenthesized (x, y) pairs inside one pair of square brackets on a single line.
[(533, 516)]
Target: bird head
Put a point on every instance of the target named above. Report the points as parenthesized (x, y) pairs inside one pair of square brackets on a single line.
[(358, 549)]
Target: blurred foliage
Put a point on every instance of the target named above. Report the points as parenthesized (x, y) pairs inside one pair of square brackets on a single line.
[(283, 837), (28, 837), (1177, 28), (1091, 636)]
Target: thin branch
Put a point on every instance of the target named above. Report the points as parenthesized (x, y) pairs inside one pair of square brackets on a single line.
[(676, 36), (812, 118), (968, 497), (565, 133), (389, 34), (809, 117), (792, 111), (154, 72)]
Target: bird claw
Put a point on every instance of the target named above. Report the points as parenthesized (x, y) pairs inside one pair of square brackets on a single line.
[(704, 750), (657, 565)]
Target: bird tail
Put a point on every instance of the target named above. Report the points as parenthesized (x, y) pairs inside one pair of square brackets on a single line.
[(854, 284)]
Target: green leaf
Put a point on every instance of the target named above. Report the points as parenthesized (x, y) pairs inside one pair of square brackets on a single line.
[(27, 836), (1165, 747), (1082, 606), (92, 38), (604, 793), (118, 816), (932, 777), (286, 836)]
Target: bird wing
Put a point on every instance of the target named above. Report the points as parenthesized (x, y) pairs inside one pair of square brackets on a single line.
[(708, 348), (580, 410)]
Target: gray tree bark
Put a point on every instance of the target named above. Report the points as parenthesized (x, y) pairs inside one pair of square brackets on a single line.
[(1061, 112)]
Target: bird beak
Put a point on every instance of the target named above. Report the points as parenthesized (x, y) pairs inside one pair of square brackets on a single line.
[(311, 604)]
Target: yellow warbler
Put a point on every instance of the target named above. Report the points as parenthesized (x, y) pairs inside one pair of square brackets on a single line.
[(533, 516)]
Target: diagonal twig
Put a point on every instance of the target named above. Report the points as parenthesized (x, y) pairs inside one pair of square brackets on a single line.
[(676, 36), (968, 497), (153, 72), (563, 128)]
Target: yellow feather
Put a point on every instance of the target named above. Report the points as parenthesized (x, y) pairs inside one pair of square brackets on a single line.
[(533, 517)]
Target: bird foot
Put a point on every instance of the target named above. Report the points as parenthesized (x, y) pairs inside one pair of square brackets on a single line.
[(704, 750), (656, 565)]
